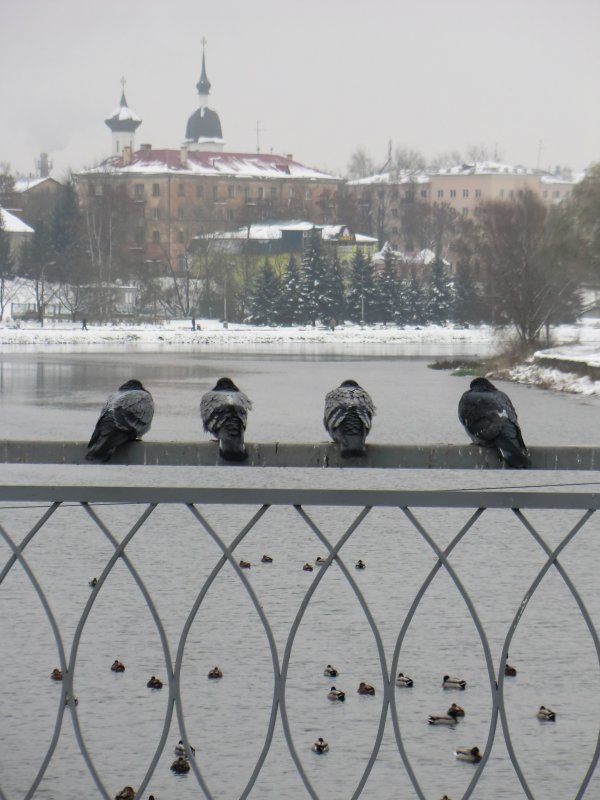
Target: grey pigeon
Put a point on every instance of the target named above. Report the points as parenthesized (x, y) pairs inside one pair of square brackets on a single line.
[(126, 415), (348, 414), (490, 420), (224, 412)]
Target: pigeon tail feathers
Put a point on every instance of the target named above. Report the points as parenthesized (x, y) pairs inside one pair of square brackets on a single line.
[(231, 439)]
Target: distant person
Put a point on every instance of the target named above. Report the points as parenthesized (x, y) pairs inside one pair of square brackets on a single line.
[(84, 326), (332, 324), (193, 324)]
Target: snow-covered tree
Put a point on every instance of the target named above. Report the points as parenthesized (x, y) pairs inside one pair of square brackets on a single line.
[(332, 302), (266, 297), (387, 288), (467, 296), (361, 296), (413, 298), (289, 298), (313, 278), (439, 299)]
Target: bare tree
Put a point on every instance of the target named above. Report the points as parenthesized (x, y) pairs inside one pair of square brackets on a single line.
[(360, 165)]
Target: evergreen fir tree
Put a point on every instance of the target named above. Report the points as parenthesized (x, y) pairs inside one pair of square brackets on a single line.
[(361, 297), (66, 239), (387, 288), (7, 261), (266, 297), (313, 278), (414, 297), (289, 298), (439, 300), (332, 302), (468, 301)]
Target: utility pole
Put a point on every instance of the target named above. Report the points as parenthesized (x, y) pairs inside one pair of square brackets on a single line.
[(539, 152), (259, 130)]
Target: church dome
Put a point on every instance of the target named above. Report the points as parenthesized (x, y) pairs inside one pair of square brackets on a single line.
[(203, 124), (123, 119)]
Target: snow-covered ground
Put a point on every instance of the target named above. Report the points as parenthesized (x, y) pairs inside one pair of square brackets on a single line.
[(579, 344)]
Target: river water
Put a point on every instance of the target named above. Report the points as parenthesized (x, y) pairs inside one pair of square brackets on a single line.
[(56, 394)]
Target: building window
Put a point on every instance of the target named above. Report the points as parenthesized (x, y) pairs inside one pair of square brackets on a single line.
[(477, 212), (273, 192), (511, 193), (139, 237), (138, 190), (465, 212), (465, 193), (247, 193), (180, 238), (260, 192), (155, 189), (501, 192), (395, 213), (230, 215), (424, 194), (181, 190), (557, 194), (156, 237), (181, 212), (409, 195), (452, 192), (215, 192), (478, 193), (440, 193), (140, 212), (156, 213), (291, 193), (231, 191), (199, 190)]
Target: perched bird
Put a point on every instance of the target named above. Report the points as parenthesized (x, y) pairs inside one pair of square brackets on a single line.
[(404, 680), (224, 411), (117, 666), (347, 419), (215, 672), (546, 714), (365, 688), (490, 419), (453, 683), (126, 415), (320, 746), (330, 672), (320, 561), (470, 754), (336, 694), (456, 709), (154, 683)]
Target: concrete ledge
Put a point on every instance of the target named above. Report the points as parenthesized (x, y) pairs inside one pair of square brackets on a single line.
[(282, 454)]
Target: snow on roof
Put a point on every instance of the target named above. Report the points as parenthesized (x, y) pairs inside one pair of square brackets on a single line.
[(13, 224), (425, 256), (484, 168), (404, 176), (568, 180), (23, 184), (123, 113), (268, 231), (240, 165)]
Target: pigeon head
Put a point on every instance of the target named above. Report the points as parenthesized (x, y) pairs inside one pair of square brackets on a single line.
[(483, 385), (350, 384), (132, 384), (225, 385)]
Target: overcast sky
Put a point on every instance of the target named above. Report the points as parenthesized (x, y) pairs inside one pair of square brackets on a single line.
[(322, 78)]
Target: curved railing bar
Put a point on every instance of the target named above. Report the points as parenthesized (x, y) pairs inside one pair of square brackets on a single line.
[(119, 549), (228, 557), (403, 630), (66, 683), (552, 561), (25, 541), (486, 648), (376, 636)]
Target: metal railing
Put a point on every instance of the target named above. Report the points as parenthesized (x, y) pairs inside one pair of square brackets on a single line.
[(517, 503)]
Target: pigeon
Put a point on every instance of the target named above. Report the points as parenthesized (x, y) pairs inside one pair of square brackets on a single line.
[(127, 415), (224, 411), (348, 413), (490, 420)]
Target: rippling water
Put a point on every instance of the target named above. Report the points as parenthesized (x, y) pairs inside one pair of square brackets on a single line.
[(58, 395)]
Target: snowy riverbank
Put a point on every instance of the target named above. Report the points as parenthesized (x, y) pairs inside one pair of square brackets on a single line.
[(572, 366)]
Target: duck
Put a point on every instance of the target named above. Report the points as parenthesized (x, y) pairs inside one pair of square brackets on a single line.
[(404, 680), (336, 694), (450, 718), (128, 793), (330, 672), (508, 670), (180, 766), (117, 666), (56, 674), (365, 688), (360, 564), (267, 559), (546, 714), (307, 567), (93, 582), (180, 749), (453, 683), (215, 672), (320, 561), (154, 683), (456, 709), (320, 746), (470, 754), (245, 564)]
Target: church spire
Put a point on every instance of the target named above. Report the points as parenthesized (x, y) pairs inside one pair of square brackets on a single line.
[(203, 85), (123, 123)]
